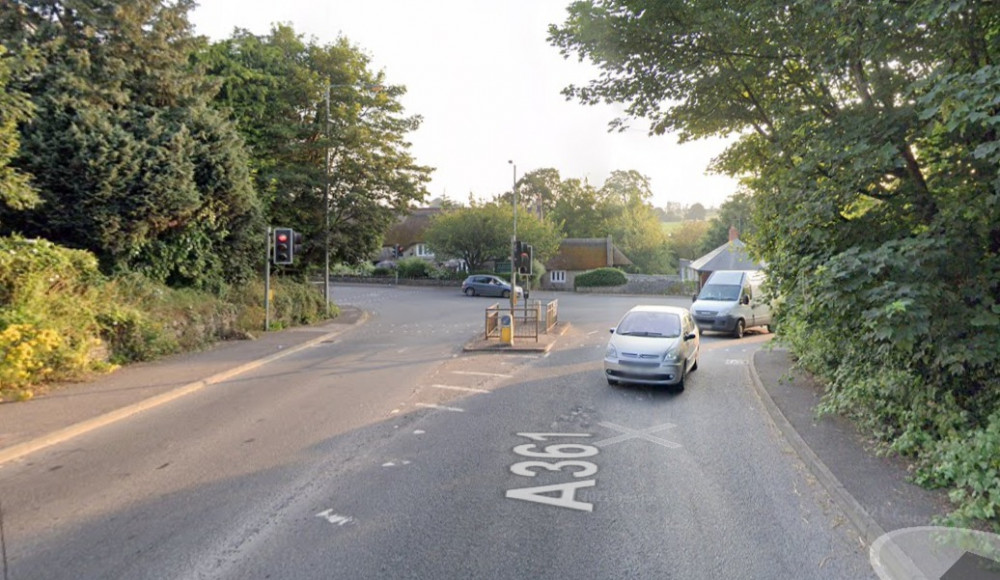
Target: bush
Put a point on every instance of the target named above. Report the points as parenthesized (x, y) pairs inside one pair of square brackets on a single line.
[(61, 319), (49, 301), (363, 269), (415, 268), (601, 277), (293, 303)]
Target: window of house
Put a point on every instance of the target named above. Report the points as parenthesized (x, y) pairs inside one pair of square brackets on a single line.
[(557, 276), (423, 250)]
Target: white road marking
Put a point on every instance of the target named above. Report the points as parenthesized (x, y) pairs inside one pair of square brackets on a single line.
[(736, 361), (333, 518), (481, 374), (452, 388), (440, 407), (419, 432), (637, 434)]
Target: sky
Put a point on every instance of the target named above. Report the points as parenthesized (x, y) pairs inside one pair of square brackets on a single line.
[(487, 84)]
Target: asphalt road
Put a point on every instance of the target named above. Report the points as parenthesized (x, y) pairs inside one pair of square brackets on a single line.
[(388, 453)]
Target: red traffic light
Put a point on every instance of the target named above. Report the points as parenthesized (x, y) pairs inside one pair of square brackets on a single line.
[(283, 249)]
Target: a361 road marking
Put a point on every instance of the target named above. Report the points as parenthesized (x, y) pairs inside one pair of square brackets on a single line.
[(565, 458)]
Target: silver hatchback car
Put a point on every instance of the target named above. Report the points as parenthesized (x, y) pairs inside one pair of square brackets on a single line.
[(653, 345), (486, 285)]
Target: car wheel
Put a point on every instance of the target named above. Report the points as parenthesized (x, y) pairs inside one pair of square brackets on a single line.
[(694, 367), (505, 294), (612, 382), (741, 326), (468, 291), (680, 384)]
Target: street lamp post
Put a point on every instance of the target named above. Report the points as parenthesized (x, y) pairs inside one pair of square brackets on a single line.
[(326, 207), (513, 256)]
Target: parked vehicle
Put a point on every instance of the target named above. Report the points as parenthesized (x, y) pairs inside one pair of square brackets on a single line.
[(653, 345), (486, 285), (731, 301)]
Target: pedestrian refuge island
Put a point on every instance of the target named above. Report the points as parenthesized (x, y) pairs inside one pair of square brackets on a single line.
[(531, 318)]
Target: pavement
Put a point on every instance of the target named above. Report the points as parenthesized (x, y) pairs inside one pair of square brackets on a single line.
[(873, 491)]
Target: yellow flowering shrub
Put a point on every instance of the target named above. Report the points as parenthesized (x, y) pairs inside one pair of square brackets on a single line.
[(28, 355)]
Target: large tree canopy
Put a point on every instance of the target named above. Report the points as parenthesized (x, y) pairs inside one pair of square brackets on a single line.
[(868, 140), (275, 86), (129, 161), (482, 233)]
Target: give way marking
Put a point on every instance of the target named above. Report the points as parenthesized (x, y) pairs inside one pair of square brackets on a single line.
[(628, 433)]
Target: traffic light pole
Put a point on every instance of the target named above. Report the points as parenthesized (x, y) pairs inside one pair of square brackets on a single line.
[(267, 281)]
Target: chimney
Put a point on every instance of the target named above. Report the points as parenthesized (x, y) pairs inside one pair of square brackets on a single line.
[(734, 234)]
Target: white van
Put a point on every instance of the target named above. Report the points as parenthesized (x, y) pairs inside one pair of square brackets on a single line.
[(731, 302)]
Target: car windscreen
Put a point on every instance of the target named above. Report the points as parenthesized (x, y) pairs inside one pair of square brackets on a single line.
[(660, 324), (724, 292)]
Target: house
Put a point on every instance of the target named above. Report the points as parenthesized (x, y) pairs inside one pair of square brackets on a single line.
[(578, 255), (406, 238), (729, 256)]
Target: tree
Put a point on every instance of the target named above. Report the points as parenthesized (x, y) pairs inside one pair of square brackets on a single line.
[(695, 212), (735, 212), (627, 188), (687, 241), (619, 209), (482, 233), (538, 189), (275, 87), (869, 146), (128, 160), (634, 224), (15, 189), (672, 212), (580, 211)]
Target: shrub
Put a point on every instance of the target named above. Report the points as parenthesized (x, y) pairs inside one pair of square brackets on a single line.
[(61, 319), (601, 277), (362, 269), (415, 268), (49, 299)]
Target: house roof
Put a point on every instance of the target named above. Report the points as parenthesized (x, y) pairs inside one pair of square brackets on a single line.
[(729, 256), (410, 228), (586, 254)]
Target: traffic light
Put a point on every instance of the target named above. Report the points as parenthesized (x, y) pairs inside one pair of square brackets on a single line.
[(296, 243), (283, 245), (524, 259), (517, 253), (399, 251)]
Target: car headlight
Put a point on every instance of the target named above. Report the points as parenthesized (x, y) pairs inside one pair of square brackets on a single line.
[(611, 352), (671, 356)]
